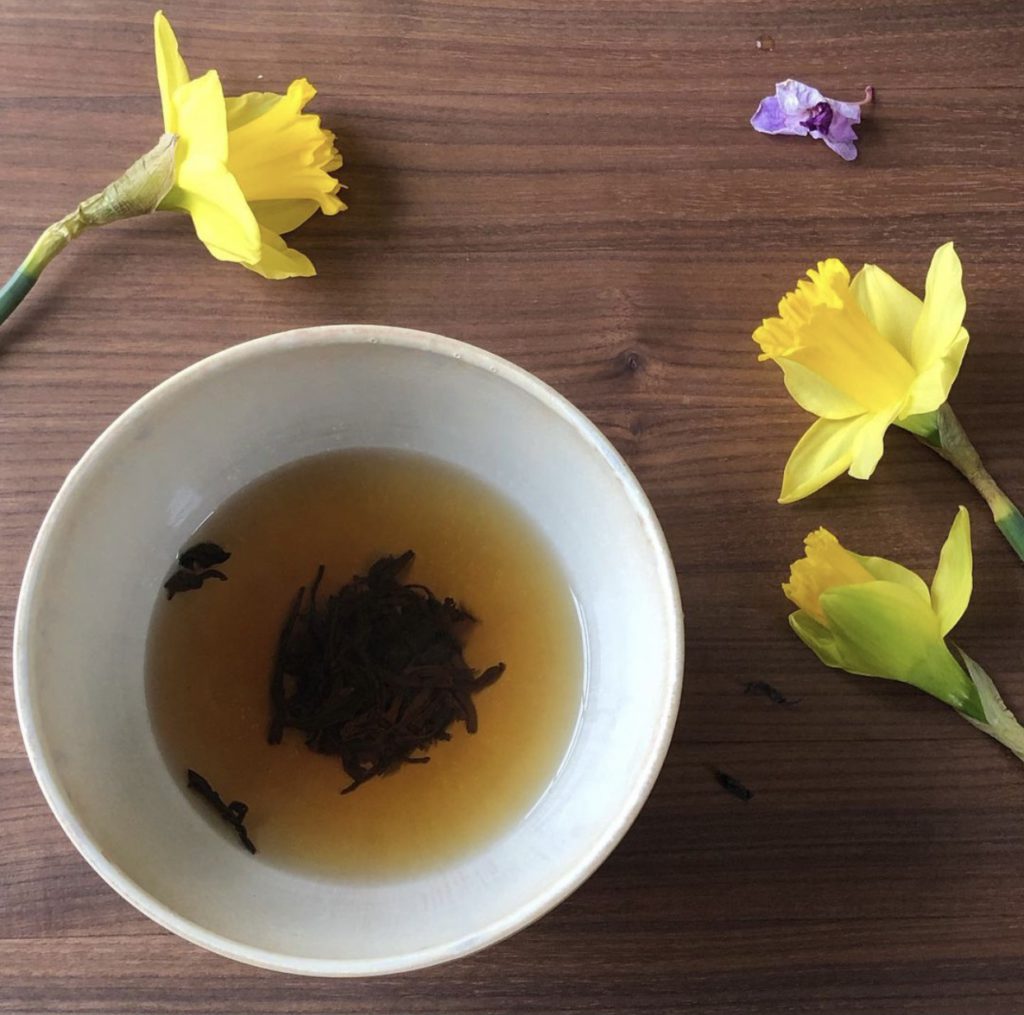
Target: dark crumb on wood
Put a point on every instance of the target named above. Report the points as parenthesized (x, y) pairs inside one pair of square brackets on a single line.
[(733, 785), (773, 694)]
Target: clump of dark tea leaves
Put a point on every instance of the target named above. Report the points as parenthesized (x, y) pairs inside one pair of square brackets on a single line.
[(196, 566), (374, 674)]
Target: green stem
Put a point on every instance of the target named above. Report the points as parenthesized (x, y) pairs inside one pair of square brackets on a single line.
[(14, 290), (50, 243), (137, 191), (998, 721), (951, 442)]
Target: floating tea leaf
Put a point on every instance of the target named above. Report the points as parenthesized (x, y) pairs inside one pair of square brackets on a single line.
[(734, 786), (202, 555), (376, 673), (773, 694), (186, 581), (233, 813), (189, 577)]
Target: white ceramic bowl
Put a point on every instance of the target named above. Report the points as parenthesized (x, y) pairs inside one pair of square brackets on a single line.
[(159, 470)]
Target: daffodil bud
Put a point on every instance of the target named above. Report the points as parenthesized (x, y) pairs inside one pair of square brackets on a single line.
[(873, 617)]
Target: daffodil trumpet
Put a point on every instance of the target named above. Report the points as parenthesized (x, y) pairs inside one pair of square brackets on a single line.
[(873, 617), (864, 353), (246, 169)]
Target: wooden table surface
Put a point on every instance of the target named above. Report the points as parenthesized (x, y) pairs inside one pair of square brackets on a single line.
[(573, 184)]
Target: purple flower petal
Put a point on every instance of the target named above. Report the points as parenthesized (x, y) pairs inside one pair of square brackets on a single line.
[(796, 98), (851, 110), (797, 108), (769, 117), (844, 149), (841, 128)]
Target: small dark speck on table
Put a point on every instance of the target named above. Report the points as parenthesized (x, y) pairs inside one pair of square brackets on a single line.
[(733, 785)]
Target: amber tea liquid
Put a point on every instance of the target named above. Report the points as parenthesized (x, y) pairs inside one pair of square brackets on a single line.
[(210, 653)]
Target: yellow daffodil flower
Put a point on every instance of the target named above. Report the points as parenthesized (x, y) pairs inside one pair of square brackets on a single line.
[(873, 617), (864, 353), (247, 169), (861, 355)]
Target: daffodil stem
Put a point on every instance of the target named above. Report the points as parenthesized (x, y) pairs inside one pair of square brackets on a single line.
[(137, 191), (52, 241), (998, 721), (1008, 732), (14, 290), (952, 443)]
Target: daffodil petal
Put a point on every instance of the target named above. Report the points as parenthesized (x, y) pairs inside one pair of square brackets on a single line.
[(203, 186), (835, 650), (885, 630), (938, 327), (222, 218), (818, 638), (931, 387), (869, 445), (889, 571), (814, 393), (284, 215), (171, 72), (824, 451), (887, 618), (199, 108), (891, 308), (277, 260), (954, 581)]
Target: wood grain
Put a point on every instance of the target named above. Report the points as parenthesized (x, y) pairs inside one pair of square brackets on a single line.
[(573, 184)]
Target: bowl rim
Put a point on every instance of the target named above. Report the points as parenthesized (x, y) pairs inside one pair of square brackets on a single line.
[(577, 872)]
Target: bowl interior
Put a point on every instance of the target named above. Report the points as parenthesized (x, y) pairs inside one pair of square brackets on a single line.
[(150, 481)]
